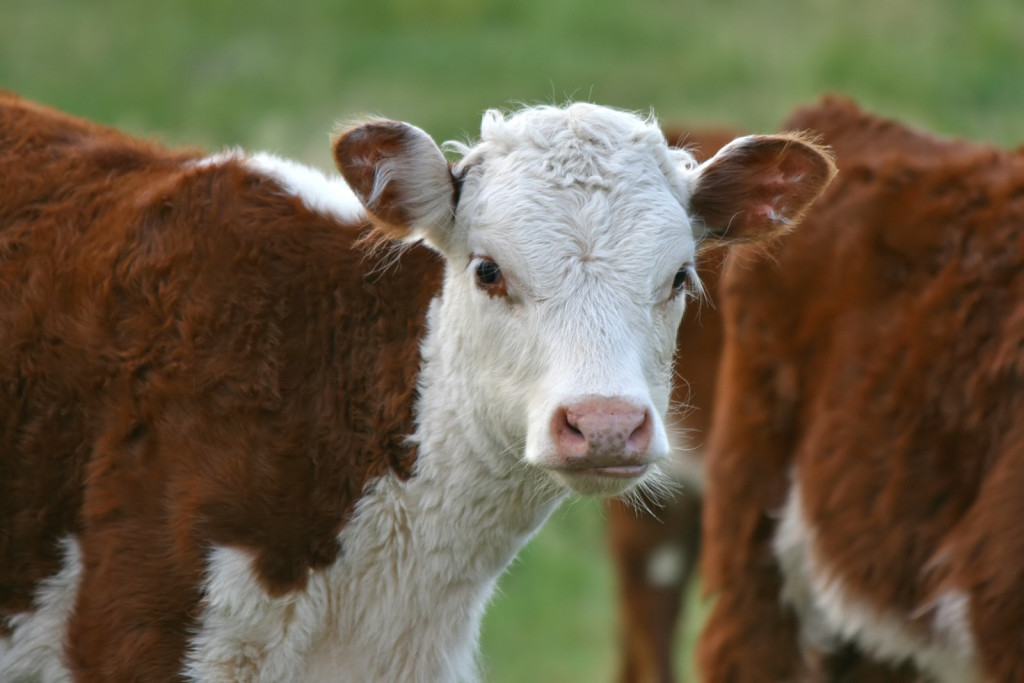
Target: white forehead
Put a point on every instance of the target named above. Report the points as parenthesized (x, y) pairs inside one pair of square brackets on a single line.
[(570, 137), (586, 181)]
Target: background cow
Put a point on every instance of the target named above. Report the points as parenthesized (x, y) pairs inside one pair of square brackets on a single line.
[(864, 517), (244, 441)]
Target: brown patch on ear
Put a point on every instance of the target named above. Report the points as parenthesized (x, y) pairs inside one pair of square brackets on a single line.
[(359, 153), (761, 185)]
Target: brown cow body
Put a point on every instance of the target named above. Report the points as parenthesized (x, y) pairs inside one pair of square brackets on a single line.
[(127, 337), (864, 516)]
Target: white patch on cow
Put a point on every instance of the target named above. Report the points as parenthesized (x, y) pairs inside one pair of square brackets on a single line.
[(246, 635), (403, 602), (667, 565), (951, 612), (327, 195), (831, 614), (35, 649)]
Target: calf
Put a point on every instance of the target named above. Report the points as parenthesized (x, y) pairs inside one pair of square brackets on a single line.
[(864, 518), (245, 439)]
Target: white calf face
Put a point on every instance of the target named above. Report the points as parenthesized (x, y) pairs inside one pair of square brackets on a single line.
[(566, 296), (570, 244)]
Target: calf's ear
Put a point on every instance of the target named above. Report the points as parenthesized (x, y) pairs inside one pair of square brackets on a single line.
[(760, 185), (401, 177)]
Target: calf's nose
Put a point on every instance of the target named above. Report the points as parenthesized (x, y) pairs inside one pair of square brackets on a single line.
[(600, 433)]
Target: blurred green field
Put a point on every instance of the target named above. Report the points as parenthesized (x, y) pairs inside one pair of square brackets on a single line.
[(277, 76)]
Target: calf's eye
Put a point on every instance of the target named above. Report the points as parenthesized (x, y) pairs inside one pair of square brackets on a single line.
[(489, 278), (487, 273), (680, 280)]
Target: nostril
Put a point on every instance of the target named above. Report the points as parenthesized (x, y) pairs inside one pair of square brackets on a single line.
[(569, 438), (639, 440)]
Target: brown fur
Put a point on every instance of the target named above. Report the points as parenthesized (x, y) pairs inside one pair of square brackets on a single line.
[(880, 352), (190, 357)]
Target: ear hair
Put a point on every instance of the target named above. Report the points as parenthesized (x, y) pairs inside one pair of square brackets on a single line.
[(760, 185), (401, 177)]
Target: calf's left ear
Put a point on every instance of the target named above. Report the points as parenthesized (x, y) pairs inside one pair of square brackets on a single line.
[(760, 185), (401, 177)]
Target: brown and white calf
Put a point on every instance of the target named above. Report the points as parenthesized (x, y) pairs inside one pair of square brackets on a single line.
[(243, 440), (864, 515)]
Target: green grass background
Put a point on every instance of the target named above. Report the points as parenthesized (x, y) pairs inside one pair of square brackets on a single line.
[(278, 75)]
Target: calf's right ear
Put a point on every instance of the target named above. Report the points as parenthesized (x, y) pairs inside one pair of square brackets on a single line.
[(401, 177), (760, 185)]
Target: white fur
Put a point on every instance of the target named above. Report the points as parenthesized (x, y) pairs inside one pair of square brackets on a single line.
[(951, 620), (830, 613), (330, 196), (35, 650), (583, 210), (667, 565)]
